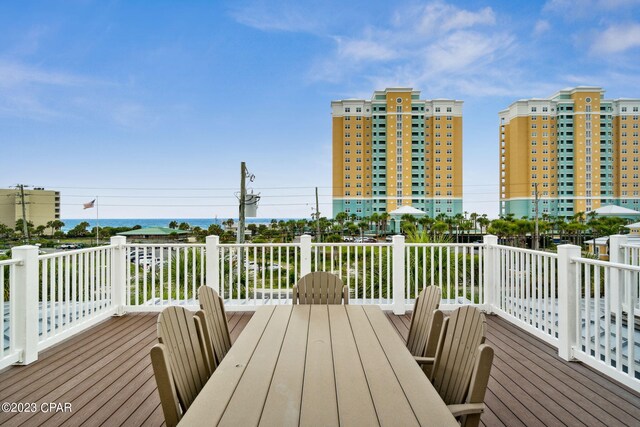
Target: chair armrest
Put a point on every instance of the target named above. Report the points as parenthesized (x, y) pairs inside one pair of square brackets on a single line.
[(424, 360), (466, 409)]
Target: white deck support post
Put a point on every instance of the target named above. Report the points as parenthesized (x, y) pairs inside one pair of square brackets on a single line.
[(25, 312), (491, 277), (398, 279), (212, 249), (119, 274), (617, 289), (305, 254), (567, 301)]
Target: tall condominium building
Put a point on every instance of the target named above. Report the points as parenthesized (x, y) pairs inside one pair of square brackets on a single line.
[(41, 206), (397, 150), (579, 149)]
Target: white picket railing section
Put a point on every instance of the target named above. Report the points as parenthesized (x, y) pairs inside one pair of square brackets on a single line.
[(366, 269), (585, 308), (527, 290), (256, 274), (458, 269), (163, 274), (9, 352), (75, 291), (607, 337), (629, 254)]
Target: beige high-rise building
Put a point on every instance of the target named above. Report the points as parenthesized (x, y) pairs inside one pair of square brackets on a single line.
[(41, 206), (579, 149), (397, 150)]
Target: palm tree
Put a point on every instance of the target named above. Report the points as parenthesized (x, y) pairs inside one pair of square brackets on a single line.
[(439, 227), (55, 225), (375, 221), (522, 228), (173, 225), (341, 218), (426, 223), (363, 226), (384, 220), (474, 218), (484, 222)]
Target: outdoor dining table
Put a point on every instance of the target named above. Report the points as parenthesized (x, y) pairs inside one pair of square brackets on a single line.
[(320, 365)]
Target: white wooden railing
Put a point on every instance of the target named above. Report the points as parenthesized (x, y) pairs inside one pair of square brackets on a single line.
[(626, 254), (606, 336), (75, 292), (526, 291), (578, 305), (10, 349)]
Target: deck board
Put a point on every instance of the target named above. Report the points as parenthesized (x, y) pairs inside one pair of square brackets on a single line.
[(106, 375)]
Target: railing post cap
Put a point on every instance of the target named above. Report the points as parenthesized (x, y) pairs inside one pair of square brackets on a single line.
[(118, 239), (569, 249), (23, 248), (618, 237), (306, 237), (398, 238), (212, 239), (490, 239)]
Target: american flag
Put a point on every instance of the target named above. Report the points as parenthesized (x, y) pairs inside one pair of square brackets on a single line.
[(89, 205)]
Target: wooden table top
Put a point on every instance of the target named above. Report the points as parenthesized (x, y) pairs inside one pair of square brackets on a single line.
[(328, 365)]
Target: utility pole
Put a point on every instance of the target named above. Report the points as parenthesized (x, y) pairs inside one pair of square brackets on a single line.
[(25, 228), (243, 195), (317, 217), (536, 236)]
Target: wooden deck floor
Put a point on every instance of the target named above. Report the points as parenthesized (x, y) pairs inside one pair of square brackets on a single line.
[(105, 374)]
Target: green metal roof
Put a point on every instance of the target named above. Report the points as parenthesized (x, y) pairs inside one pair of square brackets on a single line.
[(153, 231)]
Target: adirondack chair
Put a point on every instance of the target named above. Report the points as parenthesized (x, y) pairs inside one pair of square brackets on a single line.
[(214, 324), (179, 362), (424, 330), (462, 364), (320, 288)]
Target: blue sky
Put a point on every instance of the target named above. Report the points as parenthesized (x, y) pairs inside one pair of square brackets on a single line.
[(151, 106)]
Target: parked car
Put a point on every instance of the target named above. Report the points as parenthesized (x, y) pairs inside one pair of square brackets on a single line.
[(69, 246)]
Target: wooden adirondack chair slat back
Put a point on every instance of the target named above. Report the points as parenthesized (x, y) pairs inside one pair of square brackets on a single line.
[(215, 322), (422, 318), (166, 386), (178, 332), (320, 287), (456, 353)]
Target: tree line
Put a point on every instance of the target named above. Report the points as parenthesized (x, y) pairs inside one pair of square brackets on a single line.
[(460, 227)]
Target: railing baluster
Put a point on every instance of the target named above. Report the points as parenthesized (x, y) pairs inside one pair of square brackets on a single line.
[(2, 280), (597, 309)]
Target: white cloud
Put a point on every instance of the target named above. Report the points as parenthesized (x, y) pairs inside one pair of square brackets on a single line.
[(440, 16), (541, 27), (14, 74), (617, 38), (363, 50), (276, 17), (436, 46), (581, 6)]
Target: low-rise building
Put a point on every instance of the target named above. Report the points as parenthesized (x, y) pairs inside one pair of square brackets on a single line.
[(40, 206)]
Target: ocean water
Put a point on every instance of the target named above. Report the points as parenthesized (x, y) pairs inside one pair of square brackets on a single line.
[(69, 223)]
